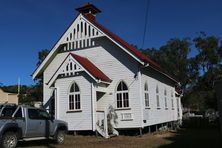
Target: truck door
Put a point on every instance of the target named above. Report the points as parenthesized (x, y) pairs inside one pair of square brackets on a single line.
[(37, 123), (19, 117)]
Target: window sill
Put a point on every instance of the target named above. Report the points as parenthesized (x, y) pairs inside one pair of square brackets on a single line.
[(123, 109), (126, 119), (166, 108), (73, 111), (158, 108), (147, 107)]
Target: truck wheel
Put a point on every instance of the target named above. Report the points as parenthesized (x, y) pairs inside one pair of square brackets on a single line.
[(9, 140), (60, 137)]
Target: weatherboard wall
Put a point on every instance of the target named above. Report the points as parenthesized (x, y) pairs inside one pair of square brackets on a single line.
[(154, 114), (118, 66), (81, 119)]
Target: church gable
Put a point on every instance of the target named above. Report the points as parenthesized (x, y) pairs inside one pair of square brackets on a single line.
[(74, 64), (70, 68), (80, 35)]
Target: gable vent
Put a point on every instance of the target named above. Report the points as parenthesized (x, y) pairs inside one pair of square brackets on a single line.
[(81, 35)]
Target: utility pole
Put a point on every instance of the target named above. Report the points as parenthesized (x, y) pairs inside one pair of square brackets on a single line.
[(18, 85)]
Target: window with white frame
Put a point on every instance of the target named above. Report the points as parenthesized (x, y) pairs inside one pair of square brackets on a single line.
[(172, 103), (178, 109), (157, 97), (74, 97), (146, 95), (165, 98), (122, 95)]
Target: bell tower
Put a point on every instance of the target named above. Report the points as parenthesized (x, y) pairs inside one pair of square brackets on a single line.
[(89, 10)]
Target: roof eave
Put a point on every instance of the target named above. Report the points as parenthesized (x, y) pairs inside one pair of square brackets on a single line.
[(53, 50), (122, 47), (165, 74)]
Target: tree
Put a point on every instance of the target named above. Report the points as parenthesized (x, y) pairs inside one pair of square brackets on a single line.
[(210, 51), (196, 74), (41, 56), (37, 90), (208, 62), (173, 57)]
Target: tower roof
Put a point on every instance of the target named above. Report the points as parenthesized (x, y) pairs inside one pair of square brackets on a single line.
[(88, 8)]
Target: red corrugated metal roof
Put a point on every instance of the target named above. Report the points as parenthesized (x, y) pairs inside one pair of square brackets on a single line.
[(91, 68), (132, 49)]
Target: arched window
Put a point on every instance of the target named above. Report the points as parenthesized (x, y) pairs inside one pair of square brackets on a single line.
[(157, 97), (146, 95), (122, 95), (74, 97), (172, 96), (165, 98)]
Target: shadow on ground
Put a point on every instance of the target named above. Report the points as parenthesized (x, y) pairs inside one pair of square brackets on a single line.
[(36, 144), (195, 138)]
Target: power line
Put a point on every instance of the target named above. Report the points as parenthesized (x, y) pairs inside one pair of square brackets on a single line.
[(146, 18)]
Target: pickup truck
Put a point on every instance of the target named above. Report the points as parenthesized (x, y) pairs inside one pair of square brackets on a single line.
[(25, 123)]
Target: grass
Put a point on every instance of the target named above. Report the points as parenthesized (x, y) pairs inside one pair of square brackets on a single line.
[(184, 138)]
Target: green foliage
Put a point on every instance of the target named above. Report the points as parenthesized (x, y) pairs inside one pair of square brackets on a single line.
[(10, 89), (37, 90), (209, 49), (174, 58), (41, 56), (197, 73)]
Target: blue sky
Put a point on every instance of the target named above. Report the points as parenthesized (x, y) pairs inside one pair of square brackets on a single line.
[(27, 26)]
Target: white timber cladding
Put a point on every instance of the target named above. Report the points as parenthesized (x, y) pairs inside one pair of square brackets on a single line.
[(154, 115), (178, 108), (74, 39), (94, 106), (69, 67), (114, 62), (80, 35), (81, 119), (84, 39), (118, 66)]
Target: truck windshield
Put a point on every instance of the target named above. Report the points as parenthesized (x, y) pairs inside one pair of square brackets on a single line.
[(8, 111)]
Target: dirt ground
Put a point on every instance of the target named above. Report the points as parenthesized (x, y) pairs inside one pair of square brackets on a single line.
[(183, 138)]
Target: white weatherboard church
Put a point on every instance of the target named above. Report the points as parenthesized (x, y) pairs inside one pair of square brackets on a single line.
[(91, 73)]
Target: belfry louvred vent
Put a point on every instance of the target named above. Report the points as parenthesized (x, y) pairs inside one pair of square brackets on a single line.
[(89, 10)]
